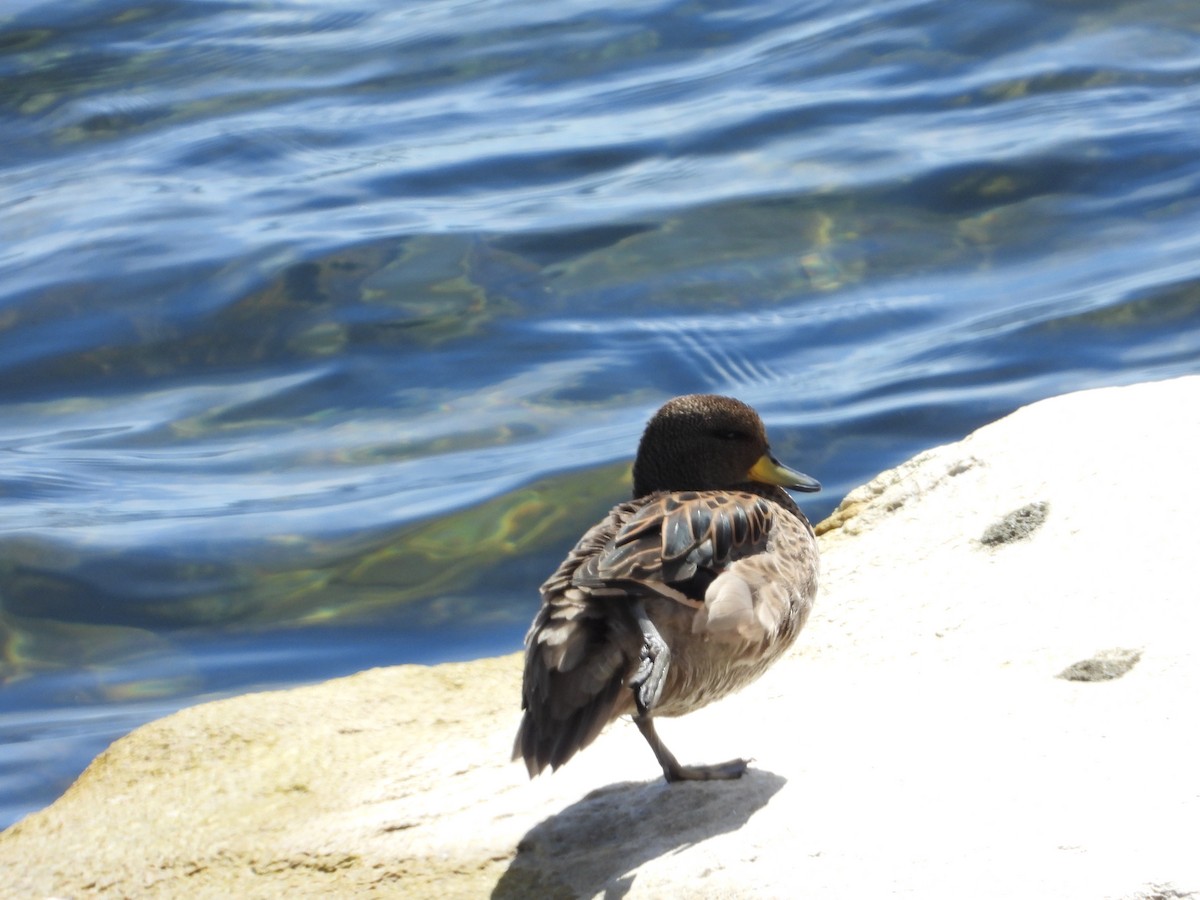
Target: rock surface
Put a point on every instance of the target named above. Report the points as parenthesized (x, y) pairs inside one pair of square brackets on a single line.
[(924, 738)]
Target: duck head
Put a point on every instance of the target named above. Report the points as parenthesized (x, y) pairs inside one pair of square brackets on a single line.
[(707, 442)]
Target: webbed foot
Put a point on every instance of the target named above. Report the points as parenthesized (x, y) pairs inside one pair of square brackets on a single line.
[(673, 771), (726, 771)]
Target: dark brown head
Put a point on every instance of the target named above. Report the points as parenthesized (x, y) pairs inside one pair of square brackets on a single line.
[(705, 442)]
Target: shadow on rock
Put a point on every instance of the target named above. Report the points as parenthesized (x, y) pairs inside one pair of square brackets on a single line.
[(592, 846)]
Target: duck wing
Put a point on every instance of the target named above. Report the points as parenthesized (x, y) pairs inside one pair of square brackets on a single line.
[(746, 563), (676, 542)]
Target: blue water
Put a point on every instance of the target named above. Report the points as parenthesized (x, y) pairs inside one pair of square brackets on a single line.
[(325, 327)]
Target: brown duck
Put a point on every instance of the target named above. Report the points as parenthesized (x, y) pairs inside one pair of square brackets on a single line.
[(678, 597)]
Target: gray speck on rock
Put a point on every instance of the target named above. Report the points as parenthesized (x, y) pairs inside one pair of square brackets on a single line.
[(1162, 892), (963, 465), (1104, 666), (1018, 525)]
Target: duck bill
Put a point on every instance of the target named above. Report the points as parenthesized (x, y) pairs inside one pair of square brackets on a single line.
[(769, 470)]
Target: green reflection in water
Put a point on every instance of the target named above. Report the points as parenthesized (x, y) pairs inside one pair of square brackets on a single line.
[(702, 260), (1165, 307), (453, 556), (448, 287), (438, 569), (109, 662)]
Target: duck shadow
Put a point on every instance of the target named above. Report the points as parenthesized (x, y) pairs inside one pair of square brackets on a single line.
[(594, 845)]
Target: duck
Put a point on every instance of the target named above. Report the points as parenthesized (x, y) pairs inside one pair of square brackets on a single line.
[(678, 597)]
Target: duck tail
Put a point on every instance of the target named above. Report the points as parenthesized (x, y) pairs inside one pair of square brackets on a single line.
[(577, 660)]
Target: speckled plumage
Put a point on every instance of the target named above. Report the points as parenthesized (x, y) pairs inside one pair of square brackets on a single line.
[(676, 598)]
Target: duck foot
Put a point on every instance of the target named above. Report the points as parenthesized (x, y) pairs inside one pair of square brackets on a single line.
[(726, 771), (673, 771)]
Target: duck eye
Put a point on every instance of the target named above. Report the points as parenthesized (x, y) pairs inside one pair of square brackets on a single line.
[(729, 434)]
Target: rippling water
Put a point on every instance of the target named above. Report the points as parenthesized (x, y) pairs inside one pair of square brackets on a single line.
[(326, 326)]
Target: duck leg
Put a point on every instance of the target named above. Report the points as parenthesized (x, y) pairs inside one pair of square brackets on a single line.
[(647, 684), (673, 771)]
